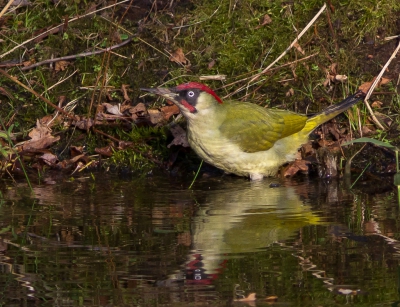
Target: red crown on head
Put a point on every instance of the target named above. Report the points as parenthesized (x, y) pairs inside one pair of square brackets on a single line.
[(200, 86)]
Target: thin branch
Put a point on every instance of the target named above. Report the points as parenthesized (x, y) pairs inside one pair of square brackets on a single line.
[(291, 45), (79, 55), (14, 79), (6, 7), (196, 23), (374, 84), (52, 29)]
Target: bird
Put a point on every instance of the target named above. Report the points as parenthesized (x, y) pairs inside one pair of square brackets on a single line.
[(243, 138)]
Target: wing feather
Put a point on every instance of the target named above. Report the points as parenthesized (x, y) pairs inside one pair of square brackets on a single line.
[(254, 128)]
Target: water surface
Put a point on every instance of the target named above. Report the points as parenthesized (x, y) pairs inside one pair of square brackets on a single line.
[(107, 241)]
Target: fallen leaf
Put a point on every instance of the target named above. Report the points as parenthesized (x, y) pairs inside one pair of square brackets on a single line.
[(180, 138), (124, 144), (40, 144), (272, 298), (112, 109), (295, 167), (21, 3), (83, 123), (332, 68), (250, 298), (49, 159), (179, 57), (156, 116), (138, 110), (366, 85), (104, 151), (266, 20), (341, 78), (290, 92), (39, 132), (169, 111), (61, 65), (298, 47), (211, 64), (377, 104), (40, 138), (76, 150)]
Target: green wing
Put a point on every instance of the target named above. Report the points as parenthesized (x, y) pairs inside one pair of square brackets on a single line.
[(254, 128)]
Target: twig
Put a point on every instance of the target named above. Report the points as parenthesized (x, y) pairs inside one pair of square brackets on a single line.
[(36, 94), (291, 45), (6, 7), (391, 37), (192, 24), (79, 55), (377, 79), (59, 82), (138, 38), (69, 21), (275, 68)]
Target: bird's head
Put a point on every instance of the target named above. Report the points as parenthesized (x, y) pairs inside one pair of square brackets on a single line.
[(191, 97)]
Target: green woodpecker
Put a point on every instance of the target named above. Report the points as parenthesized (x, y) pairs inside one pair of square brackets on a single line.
[(243, 138)]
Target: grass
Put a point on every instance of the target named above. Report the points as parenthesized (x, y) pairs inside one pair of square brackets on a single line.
[(217, 38)]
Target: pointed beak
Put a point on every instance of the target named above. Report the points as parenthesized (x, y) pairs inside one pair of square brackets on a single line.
[(164, 92)]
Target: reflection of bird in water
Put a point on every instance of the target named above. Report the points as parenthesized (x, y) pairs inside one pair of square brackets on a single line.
[(242, 217)]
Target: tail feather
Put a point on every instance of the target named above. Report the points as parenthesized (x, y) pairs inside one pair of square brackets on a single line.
[(332, 111)]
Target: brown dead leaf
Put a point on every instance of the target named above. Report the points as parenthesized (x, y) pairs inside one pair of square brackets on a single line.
[(179, 135), (76, 150), (83, 123), (28, 63), (104, 151), (327, 82), (266, 20), (124, 144), (366, 85), (250, 298), (179, 57), (384, 81), (298, 47), (295, 167), (49, 159), (138, 110), (366, 131), (21, 3), (112, 109), (307, 149), (61, 65), (124, 89), (156, 116), (290, 92), (341, 78), (44, 142), (332, 68), (40, 138), (377, 104), (39, 132), (169, 111), (211, 64), (272, 298)]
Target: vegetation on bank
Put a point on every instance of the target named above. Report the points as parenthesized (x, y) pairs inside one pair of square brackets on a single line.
[(85, 109)]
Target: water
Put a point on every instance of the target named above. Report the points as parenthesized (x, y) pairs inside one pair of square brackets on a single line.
[(108, 241)]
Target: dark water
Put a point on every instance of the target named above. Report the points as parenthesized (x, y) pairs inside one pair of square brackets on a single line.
[(107, 241)]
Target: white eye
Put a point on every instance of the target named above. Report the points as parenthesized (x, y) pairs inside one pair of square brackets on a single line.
[(190, 94)]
